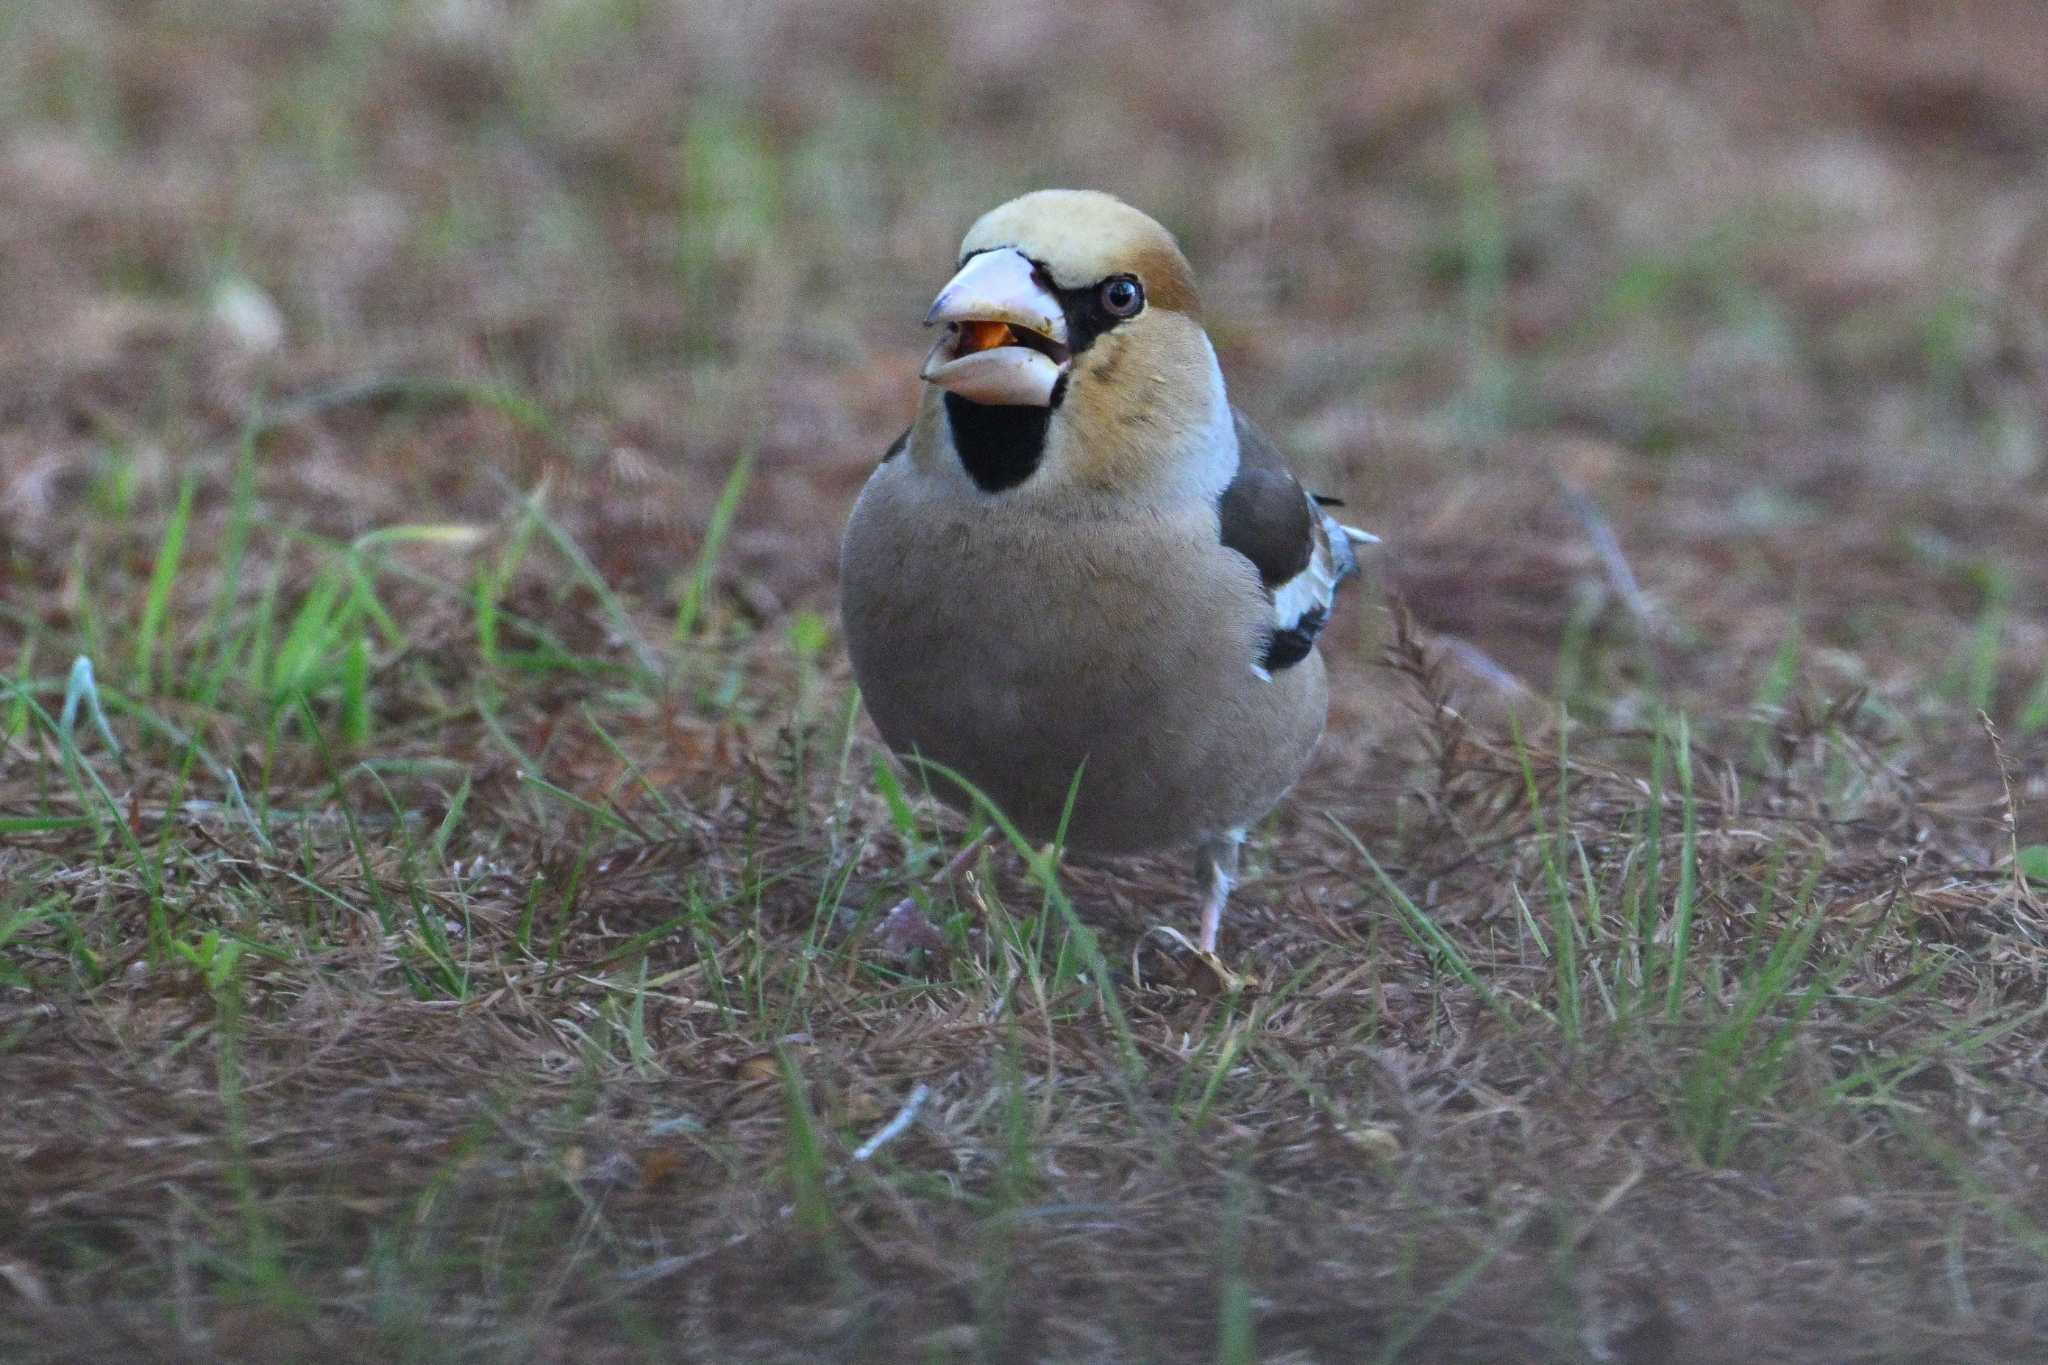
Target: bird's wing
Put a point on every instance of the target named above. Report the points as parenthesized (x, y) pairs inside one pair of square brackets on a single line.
[(1301, 552)]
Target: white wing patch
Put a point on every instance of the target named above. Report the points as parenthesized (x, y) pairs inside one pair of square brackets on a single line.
[(1301, 604), (1301, 553), (1314, 587)]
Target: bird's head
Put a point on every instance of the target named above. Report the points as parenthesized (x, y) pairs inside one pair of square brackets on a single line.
[(1071, 338)]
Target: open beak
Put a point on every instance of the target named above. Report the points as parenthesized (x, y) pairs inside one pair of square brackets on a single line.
[(1006, 336)]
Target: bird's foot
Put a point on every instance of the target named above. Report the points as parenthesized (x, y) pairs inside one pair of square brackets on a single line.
[(1202, 970)]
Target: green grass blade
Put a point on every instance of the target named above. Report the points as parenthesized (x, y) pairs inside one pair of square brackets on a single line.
[(1688, 873), (16, 720), (355, 693), (43, 824), (1424, 931), (156, 604), (579, 563), (698, 586)]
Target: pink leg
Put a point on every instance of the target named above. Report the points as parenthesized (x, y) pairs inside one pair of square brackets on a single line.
[(1216, 862)]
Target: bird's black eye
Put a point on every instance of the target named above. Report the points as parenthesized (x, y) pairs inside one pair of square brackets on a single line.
[(1122, 296)]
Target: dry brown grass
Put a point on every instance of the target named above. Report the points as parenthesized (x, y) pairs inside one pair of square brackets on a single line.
[(1692, 360)]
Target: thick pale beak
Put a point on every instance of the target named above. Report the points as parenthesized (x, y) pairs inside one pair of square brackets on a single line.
[(1006, 336)]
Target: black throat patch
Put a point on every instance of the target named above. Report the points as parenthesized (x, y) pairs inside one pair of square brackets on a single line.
[(1000, 444)]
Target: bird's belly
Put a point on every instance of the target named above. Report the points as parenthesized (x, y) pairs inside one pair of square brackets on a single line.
[(1128, 660)]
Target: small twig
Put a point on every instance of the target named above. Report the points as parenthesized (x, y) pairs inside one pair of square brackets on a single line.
[(2023, 893), (26, 1283), (1477, 661), (1607, 545), (893, 1129), (669, 1266), (80, 686), (676, 1265), (1609, 1200)]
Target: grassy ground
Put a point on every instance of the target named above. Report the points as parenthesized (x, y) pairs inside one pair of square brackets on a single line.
[(436, 840)]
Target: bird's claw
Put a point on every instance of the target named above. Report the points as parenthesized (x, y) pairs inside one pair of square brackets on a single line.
[(1203, 971)]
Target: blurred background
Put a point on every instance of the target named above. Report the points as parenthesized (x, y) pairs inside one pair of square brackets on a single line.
[(1745, 301), (443, 416)]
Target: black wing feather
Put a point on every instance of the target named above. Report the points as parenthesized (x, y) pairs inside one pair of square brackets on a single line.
[(1266, 517), (1302, 555)]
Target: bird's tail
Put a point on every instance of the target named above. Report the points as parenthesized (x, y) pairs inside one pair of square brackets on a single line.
[(1342, 538)]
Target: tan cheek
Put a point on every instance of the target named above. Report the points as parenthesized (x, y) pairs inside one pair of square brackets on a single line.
[(1132, 393), (1105, 362), (1103, 407)]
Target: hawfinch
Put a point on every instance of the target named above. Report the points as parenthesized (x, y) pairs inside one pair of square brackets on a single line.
[(1080, 558)]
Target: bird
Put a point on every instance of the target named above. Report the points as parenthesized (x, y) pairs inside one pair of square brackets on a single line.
[(1081, 579)]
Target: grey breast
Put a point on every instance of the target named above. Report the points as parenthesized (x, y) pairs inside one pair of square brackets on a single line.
[(1016, 650)]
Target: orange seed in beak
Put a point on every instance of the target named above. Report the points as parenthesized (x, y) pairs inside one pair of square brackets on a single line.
[(982, 336)]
